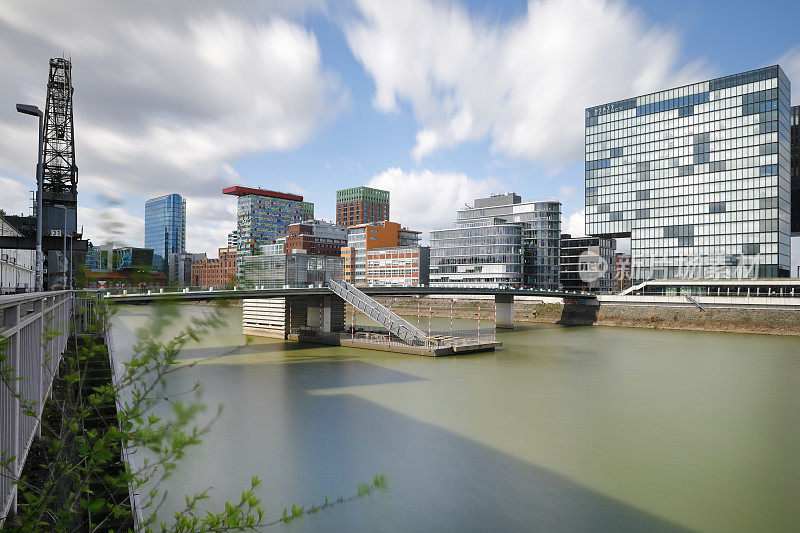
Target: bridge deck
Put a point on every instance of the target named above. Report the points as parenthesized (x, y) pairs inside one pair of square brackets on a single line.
[(199, 295)]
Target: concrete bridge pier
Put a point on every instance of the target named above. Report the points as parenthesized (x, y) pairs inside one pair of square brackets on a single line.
[(505, 310), (278, 316)]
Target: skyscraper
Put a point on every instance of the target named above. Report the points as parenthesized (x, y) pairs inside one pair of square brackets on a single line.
[(361, 205), (165, 227), (697, 176), (263, 216)]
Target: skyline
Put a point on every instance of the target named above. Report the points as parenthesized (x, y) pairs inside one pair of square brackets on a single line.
[(338, 101)]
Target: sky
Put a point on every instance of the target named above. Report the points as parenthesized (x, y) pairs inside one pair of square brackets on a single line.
[(439, 102)]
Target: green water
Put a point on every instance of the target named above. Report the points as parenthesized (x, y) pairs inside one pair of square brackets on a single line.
[(563, 429)]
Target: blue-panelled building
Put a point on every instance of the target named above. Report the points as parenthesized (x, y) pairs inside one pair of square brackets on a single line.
[(697, 176), (165, 227)]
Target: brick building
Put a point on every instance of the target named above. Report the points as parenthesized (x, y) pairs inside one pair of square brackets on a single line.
[(364, 237), (316, 237), (220, 272), (361, 205)]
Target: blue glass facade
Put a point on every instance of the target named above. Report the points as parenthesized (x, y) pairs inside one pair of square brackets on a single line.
[(165, 227)]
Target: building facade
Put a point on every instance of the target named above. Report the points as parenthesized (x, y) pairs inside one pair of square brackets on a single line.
[(180, 268), (399, 266), (697, 176), (795, 171), (361, 205), (263, 216), (165, 227), (622, 271), (500, 241), (277, 270), (588, 263), (233, 239), (364, 237), (316, 237), (219, 272), (17, 267)]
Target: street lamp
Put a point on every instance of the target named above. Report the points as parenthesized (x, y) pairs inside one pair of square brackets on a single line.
[(64, 256), (32, 110)]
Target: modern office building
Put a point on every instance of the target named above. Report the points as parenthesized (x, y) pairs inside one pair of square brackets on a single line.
[(361, 205), (278, 270), (220, 272), (697, 176), (165, 227), (364, 237), (233, 239), (622, 271), (17, 267), (263, 216), (316, 237), (130, 257), (500, 241), (795, 166), (399, 266), (588, 263), (180, 267)]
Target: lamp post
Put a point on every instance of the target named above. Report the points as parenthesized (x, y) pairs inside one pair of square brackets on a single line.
[(64, 235), (32, 110)]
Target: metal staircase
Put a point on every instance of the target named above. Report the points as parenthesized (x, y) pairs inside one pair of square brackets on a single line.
[(377, 312)]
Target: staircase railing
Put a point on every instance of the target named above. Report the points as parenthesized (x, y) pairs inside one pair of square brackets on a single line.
[(377, 312)]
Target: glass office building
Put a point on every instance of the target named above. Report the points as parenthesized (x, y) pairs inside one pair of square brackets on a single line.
[(795, 162), (499, 241), (697, 176), (165, 227)]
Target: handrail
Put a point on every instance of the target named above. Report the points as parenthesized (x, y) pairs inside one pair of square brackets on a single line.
[(378, 312)]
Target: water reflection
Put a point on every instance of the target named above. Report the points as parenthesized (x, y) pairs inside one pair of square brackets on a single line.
[(564, 429)]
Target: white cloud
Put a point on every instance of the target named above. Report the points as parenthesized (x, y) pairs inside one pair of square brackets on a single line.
[(524, 84), (566, 193), (425, 200), (575, 224), (167, 94), (111, 224), (16, 197), (790, 63)]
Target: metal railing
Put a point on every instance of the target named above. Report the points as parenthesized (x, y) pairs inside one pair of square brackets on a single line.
[(34, 332), (377, 312)]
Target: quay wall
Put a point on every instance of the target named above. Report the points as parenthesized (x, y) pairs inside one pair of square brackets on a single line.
[(773, 316)]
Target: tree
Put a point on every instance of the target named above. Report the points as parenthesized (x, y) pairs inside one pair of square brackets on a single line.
[(82, 485)]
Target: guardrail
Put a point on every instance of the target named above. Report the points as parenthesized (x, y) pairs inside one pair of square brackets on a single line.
[(33, 357)]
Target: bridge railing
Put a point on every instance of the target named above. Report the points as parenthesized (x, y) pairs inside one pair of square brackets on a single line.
[(33, 332)]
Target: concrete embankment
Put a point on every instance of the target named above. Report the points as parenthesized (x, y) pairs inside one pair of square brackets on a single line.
[(740, 319)]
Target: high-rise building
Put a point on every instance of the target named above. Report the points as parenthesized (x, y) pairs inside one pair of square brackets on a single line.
[(363, 237), (588, 263), (233, 240), (263, 216), (795, 165), (165, 227), (316, 237), (697, 176), (361, 205), (180, 267), (500, 241)]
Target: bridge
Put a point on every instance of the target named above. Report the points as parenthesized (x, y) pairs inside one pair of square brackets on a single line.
[(275, 312)]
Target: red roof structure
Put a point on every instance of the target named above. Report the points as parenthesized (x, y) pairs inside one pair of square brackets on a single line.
[(238, 190)]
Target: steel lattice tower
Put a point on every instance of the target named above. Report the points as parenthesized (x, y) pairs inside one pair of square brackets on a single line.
[(60, 173)]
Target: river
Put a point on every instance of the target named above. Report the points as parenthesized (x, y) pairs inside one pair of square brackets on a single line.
[(562, 429)]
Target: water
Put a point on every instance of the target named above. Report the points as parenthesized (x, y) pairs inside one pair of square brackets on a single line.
[(563, 429)]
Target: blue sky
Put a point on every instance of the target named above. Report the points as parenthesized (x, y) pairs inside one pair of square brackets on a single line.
[(437, 101)]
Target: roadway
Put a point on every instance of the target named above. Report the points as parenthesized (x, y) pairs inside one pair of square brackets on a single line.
[(133, 297)]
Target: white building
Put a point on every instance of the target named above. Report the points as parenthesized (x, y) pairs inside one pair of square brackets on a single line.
[(17, 267)]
